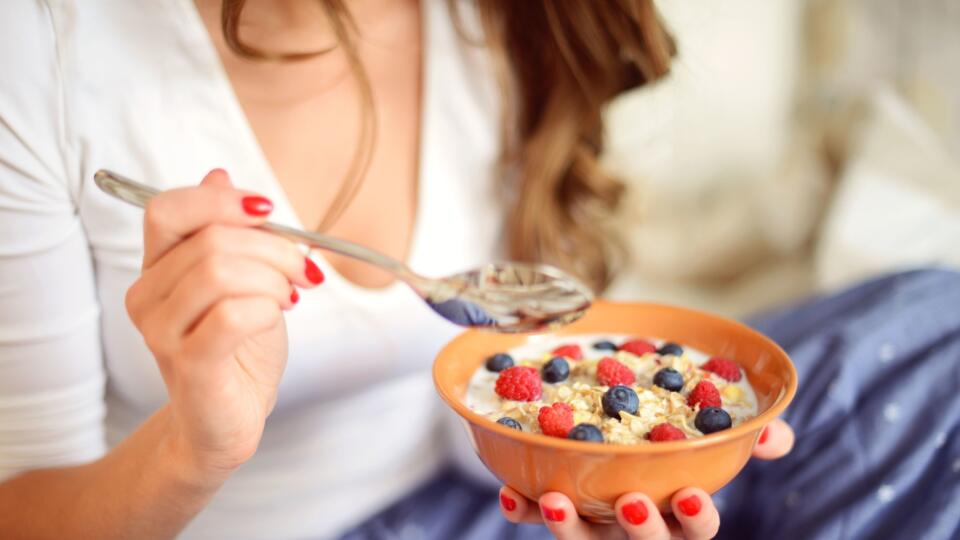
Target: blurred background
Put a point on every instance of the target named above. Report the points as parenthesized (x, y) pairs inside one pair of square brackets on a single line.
[(797, 146)]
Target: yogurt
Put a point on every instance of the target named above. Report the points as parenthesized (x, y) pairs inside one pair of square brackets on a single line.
[(583, 390)]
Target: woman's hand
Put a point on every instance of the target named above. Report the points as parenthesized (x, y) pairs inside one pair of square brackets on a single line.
[(693, 517), (209, 305)]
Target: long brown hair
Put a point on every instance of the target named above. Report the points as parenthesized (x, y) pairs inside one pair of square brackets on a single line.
[(559, 63)]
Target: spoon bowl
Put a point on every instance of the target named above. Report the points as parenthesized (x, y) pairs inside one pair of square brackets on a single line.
[(504, 297), (513, 297)]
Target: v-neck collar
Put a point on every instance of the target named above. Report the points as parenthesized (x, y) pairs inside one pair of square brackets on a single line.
[(261, 177)]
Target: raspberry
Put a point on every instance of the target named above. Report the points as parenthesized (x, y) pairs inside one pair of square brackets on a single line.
[(611, 373), (556, 420), (519, 383), (704, 393), (728, 369), (638, 347), (572, 352), (665, 432)]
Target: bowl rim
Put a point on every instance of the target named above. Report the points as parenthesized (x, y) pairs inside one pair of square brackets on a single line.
[(713, 439)]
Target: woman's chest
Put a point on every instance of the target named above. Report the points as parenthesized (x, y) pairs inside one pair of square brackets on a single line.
[(340, 129)]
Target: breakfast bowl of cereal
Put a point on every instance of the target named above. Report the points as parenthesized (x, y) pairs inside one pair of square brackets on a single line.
[(632, 397)]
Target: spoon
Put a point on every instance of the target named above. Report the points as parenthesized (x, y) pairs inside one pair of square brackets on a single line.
[(506, 297)]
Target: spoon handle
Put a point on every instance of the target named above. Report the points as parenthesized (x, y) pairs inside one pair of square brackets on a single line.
[(138, 194)]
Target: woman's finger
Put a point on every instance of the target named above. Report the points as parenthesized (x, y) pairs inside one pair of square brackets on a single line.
[(229, 323), (164, 326), (219, 277), (176, 214), (560, 516), (775, 441), (158, 281), (640, 519), (696, 513), (278, 252), (517, 508)]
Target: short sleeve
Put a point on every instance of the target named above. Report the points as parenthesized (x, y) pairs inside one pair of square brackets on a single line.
[(51, 369)]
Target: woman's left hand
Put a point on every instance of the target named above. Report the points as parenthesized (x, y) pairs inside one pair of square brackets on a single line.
[(693, 515)]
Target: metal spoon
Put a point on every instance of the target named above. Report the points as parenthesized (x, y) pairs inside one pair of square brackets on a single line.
[(506, 297)]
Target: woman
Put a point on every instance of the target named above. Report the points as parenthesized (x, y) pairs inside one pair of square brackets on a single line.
[(141, 356)]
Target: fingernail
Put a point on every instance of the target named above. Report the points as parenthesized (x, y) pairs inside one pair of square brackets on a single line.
[(635, 512), (763, 436), (256, 205), (690, 506), (553, 514), (294, 297), (508, 504), (313, 273)]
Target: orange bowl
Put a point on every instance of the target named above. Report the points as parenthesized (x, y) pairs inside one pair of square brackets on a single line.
[(595, 475)]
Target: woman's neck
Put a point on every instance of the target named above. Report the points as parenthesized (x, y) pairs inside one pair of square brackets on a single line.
[(298, 25)]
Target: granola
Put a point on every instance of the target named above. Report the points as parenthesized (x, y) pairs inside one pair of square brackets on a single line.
[(513, 385)]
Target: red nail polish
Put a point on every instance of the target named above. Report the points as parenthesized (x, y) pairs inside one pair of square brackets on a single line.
[(690, 506), (313, 273), (294, 297), (256, 205), (508, 504), (635, 512), (553, 514), (763, 436)]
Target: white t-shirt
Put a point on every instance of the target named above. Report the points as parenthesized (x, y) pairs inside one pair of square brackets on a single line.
[(137, 87)]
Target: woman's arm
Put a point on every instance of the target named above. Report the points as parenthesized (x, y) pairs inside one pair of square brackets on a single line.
[(143, 488), (208, 304), (52, 379)]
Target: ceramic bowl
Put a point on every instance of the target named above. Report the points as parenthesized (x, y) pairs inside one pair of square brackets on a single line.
[(595, 475)]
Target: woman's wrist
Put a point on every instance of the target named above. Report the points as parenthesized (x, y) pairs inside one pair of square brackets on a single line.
[(188, 467)]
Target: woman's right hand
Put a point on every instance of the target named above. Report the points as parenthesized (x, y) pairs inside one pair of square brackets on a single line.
[(209, 305)]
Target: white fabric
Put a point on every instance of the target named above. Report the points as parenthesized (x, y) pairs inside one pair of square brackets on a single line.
[(898, 205), (137, 87)]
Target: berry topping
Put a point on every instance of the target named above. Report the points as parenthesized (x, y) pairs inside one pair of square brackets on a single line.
[(572, 352), (611, 373), (499, 362), (712, 419), (605, 345), (728, 369), (666, 432), (586, 432), (519, 383), (705, 394), (619, 398), (670, 348), (556, 370), (638, 347), (668, 379), (510, 422), (556, 420)]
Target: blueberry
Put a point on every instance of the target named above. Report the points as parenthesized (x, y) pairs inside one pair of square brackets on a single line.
[(556, 370), (712, 419), (670, 348), (586, 432), (605, 345), (668, 379), (510, 422), (499, 362), (619, 398)]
